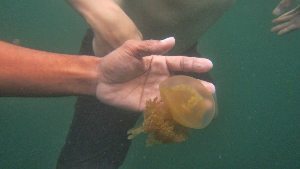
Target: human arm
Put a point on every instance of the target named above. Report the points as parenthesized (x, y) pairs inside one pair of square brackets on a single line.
[(125, 78), (28, 72), (288, 19), (110, 24)]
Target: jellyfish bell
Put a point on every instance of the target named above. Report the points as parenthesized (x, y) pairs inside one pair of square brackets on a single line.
[(188, 101), (184, 103)]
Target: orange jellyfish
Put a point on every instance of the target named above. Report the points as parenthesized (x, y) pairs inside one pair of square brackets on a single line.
[(185, 103)]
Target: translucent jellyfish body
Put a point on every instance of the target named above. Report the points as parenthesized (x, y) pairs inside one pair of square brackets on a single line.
[(184, 103)]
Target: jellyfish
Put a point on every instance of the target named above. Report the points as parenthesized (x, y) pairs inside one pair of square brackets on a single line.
[(184, 104)]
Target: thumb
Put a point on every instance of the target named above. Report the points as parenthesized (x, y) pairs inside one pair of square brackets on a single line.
[(149, 47), (160, 47)]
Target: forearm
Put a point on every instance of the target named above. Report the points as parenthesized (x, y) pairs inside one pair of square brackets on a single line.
[(107, 20), (28, 72)]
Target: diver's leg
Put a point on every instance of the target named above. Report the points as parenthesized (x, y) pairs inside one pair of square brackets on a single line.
[(97, 138)]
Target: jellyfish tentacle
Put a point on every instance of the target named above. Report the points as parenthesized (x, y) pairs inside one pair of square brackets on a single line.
[(132, 133)]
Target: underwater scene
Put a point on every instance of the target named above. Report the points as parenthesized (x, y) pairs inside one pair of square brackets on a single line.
[(252, 122)]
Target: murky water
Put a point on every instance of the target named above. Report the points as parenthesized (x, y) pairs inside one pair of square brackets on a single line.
[(257, 78)]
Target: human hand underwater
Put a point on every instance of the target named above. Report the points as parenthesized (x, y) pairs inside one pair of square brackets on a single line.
[(131, 74), (288, 19)]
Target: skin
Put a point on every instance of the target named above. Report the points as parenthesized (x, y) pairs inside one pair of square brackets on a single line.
[(110, 24), (287, 20), (28, 72), (115, 21)]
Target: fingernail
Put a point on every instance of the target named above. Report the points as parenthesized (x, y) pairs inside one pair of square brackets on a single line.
[(276, 11), (168, 40), (213, 88), (210, 63), (207, 64)]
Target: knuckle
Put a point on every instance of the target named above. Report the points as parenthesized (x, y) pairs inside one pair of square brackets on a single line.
[(129, 46), (140, 48), (129, 43), (182, 63)]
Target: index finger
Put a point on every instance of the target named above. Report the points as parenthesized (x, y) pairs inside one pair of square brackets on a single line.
[(188, 64)]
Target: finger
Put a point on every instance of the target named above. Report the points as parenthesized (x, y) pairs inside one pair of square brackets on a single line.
[(149, 47), (209, 86), (280, 27), (277, 11), (188, 64), (281, 7), (288, 15), (283, 18), (287, 29), (293, 12)]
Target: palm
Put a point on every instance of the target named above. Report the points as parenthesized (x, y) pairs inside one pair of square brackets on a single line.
[(131, 74), (138, 84)]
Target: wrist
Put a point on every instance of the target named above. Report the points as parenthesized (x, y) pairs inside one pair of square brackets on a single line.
[(108, 21), (85, 75)]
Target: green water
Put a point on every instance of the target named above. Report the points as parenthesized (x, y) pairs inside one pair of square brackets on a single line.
[(257, 78)]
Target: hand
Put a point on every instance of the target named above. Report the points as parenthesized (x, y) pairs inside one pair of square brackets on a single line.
[(287, 21), (130, 75), (110, 24), (282, 7)]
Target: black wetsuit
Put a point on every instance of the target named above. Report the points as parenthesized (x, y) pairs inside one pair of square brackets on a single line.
[(97, 138)]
